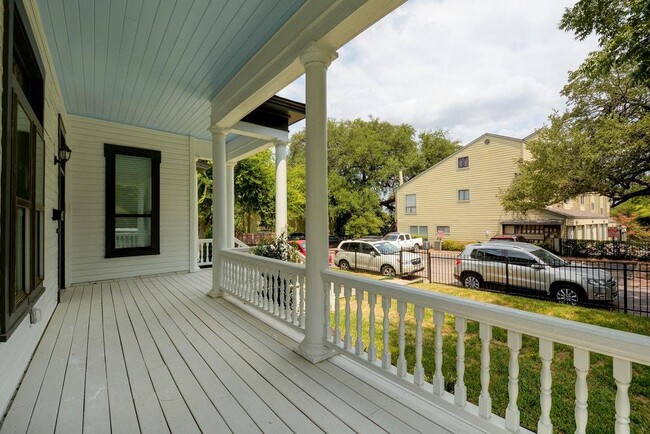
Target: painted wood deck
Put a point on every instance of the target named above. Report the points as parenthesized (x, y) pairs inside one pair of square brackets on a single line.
[(156, 354)]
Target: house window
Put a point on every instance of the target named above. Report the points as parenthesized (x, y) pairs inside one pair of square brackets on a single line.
[(445, 230), (419, 231), (132, 201), (23, 174), (463, 162), (463, 195), (593, 206), (582, 200), (411, 207)]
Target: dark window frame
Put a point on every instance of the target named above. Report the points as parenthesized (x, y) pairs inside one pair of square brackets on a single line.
[(110, 152), (463, 162), (22, 57)]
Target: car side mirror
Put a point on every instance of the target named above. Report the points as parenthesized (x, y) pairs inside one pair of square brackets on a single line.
[(373, 253), (537, 266)]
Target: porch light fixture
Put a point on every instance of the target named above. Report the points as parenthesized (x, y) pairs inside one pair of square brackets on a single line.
[(64, 155)]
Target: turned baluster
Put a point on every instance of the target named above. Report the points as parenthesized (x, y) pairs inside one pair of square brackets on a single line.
[(418, 370), (372, 349), (460, 391), (358, 349), (544, 425), (438, 378), (581, 363), (327, 328), (623, 377), (385, 357), (512, 412), (347, 339), (336, 339), (484, 400), (401, 359)]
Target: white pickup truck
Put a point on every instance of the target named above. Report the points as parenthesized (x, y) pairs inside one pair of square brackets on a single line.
[(403, 240)]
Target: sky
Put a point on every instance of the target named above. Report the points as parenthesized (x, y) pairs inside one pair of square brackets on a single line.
[(465, 66)]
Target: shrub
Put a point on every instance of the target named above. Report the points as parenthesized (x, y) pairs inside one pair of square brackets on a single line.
[(455, 246), (276, 248)]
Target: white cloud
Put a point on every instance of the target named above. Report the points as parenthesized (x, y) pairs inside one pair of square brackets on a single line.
[(468, 66)]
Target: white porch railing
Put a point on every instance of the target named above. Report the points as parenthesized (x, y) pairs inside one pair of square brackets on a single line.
[(204, 247), (345, 334), (274, 286)]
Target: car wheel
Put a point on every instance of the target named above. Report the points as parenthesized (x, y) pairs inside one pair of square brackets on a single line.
[(567, 294), (388, 271), (472, 281), (344, 265), (416, 248)]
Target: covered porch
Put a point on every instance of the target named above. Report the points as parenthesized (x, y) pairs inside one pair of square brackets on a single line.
[(156, 354)]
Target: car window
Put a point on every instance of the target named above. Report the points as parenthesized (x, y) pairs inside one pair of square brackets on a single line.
[(492, 255), (366, 248), (520, 258), (548, 258), (391, 237), (386, 248)]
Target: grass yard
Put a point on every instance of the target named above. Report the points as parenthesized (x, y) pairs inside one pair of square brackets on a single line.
[(602, 388)]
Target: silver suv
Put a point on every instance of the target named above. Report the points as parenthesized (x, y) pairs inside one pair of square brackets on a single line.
[(526, 266), (380, 256)]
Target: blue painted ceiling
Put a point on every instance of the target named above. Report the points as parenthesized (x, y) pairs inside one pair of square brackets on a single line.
[(155, 63)]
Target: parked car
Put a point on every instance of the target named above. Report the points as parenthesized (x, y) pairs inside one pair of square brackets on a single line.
[(333, 241), (370, 238), (296, 236), (529, 267), (403, 240), (301, 246), (519, 238), (379, 256)]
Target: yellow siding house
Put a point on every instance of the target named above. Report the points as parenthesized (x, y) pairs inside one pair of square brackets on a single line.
[(457, 199)]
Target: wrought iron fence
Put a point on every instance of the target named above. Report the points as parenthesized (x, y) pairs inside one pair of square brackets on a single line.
[(614, 285)]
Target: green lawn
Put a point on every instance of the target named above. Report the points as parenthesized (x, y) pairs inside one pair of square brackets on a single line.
[(602, 388)]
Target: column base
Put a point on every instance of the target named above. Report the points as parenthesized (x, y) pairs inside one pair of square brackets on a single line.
[(314, 353), (216, 293)]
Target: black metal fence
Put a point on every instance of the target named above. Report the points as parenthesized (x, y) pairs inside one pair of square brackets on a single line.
[(595, 249), (593, 280)]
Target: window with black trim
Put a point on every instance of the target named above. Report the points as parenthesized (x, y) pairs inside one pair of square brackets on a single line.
[(132, 201), (463, 162), (23, 172)]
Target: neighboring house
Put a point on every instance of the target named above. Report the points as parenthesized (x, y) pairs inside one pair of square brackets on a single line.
[(458, 198)]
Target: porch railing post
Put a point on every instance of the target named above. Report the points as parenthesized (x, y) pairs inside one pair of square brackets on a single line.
[(315, 61), (219, 207)]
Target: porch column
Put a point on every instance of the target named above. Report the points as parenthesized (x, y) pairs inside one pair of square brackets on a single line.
[(315, 61), (219, 206), (230, 187), (280, 188)]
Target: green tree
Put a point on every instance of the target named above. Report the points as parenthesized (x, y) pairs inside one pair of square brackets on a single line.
[(601, 143), (204, 188), (623, 31), (635, 216), (365, 158), (255, 192)]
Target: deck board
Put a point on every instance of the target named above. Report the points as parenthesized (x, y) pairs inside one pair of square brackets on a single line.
[(156, 354)]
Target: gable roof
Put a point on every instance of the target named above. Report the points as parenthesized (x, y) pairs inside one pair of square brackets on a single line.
[(480, 139)]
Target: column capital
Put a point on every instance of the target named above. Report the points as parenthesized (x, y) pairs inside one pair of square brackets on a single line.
[(318, 54), (231, 163), (279, 142), (215, 129)]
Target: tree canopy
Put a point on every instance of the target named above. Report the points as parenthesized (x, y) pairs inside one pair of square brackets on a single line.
[(601, 143), (365, 158)]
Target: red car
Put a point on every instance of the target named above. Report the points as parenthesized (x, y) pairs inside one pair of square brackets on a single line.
[(301, 245)]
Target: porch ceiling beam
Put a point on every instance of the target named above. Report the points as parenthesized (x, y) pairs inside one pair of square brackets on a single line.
[(259, 131), (330, 23), (243, 147)]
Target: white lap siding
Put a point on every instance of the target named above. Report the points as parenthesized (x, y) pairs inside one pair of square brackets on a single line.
[(87, 200)]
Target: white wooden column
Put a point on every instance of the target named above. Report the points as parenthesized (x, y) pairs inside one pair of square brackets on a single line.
[(219, 206), (280, 188), (194, 210), (230, 208), (315, 61)]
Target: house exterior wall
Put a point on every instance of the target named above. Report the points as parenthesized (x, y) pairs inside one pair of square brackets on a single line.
[(17, 351), (87, 200), (491, 167)]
